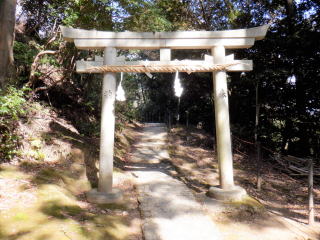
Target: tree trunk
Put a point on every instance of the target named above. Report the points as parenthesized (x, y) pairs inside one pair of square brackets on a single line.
[(290, 11), (7, 22), (310, 193)]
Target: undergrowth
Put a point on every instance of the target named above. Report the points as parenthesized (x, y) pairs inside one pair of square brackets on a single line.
[(13, 106)]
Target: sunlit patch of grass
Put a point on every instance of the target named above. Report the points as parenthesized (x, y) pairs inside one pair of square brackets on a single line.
[(249, 202), (69, 180), (21, 216), (12, 172), (57, 215)]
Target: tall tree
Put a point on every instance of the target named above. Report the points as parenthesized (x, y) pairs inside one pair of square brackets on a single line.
[(7, 22)]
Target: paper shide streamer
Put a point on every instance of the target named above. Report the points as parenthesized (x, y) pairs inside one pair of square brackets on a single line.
[(120, 94), (177, 85)]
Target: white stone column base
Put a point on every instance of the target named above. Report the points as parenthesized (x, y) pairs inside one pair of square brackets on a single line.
[(237, 193), (94, 196)]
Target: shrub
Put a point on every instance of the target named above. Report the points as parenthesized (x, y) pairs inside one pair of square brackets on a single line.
[(12, 107)]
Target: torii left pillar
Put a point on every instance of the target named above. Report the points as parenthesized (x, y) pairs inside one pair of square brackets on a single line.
[(105, 192)]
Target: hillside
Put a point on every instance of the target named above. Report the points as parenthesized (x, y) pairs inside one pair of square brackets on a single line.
[(42, 189)]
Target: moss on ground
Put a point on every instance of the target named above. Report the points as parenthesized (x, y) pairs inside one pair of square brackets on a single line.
[(60, 210), (248, 202), (10, 172), (57, 213)]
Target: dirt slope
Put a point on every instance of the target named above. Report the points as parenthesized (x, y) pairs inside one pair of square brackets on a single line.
[(42, 191)]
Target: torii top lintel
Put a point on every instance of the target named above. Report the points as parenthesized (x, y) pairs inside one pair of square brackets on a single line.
[(232, 39)]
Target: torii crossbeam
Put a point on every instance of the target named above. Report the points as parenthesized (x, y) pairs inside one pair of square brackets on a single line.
[(218, 63)]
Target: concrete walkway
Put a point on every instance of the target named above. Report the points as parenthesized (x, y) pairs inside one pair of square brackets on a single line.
[(168, 207)]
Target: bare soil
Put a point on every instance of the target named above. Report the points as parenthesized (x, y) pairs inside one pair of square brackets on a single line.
[(282, 197), (42, 192)]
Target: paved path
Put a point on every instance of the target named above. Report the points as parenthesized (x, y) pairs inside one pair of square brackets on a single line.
[(168, 207)]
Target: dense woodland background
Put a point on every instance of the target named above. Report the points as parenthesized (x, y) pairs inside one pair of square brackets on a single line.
[(283, 90)]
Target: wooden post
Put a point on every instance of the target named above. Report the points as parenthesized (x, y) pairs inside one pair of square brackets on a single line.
[(257, 143), (257, 114), (221, 106), (187, 125), (259, 165), (310, 193), (187, 120), (107, 124)]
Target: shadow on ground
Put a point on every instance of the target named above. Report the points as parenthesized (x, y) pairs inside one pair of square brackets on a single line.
[(192, 163), (60, 210)]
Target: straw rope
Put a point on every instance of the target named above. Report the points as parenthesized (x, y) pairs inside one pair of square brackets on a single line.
[(160, 68)]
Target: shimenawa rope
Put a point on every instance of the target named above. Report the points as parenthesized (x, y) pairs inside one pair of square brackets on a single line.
[(160, 68)]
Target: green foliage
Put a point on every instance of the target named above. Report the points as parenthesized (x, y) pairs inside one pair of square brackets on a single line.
[(12, 106), (24, 53), (151, 19), (153, 16), (126, 111), (12, 102), (50, 60), (87, 128), (43, 15)]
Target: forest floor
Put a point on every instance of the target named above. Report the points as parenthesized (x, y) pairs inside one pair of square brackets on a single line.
[(277, 211), (42, 191)]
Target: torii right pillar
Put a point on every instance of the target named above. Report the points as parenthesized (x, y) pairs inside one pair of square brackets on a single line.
[(227, 191)]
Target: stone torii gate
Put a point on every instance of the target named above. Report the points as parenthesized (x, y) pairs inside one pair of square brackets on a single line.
[(218, 63)]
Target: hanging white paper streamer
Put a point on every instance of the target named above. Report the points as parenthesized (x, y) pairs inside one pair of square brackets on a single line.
[(177, 86), (120, 95)]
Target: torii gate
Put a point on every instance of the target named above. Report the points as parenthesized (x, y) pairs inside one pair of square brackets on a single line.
[(218, 63)]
